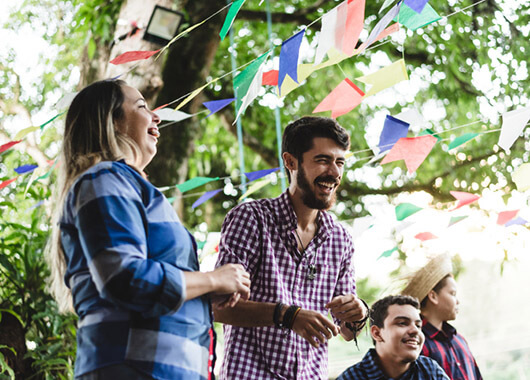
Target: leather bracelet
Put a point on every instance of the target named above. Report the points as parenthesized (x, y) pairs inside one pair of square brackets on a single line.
[(276, 315), (290, 314)]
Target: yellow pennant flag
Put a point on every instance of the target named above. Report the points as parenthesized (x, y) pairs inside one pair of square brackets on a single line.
[(22, 133), (385, 78), (521, 177), (194, 94), (255, 187)]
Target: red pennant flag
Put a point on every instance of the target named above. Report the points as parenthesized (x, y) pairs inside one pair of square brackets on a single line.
[(345, 97), (463, 198), (505, 216), (354, 26), (270, 78), (8, 145), (423, 236), (131, 56), (413, 150), (5, 183)]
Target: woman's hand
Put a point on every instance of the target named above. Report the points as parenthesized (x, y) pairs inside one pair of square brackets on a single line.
[(230, 283)]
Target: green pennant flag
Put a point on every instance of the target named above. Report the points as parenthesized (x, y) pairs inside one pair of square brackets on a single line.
[(387, 253), (429, 131), (243, 80), (404, 210), (462, 140), (52, 119), (194, 182), (232, 13), (456, 219), (412, 20)]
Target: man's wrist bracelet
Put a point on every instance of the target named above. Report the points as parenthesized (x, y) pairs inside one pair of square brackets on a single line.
[(276, 315), (290, 315)]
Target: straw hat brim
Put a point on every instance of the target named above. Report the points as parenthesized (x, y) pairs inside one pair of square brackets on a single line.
[(426, 278)]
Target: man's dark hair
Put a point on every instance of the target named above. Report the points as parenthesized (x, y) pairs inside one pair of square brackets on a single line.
[(436, 288), (379, 310), (299, 134)]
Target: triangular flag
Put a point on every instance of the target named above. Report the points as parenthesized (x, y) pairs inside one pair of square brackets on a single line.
[(462, 140), (429, 131), (216, 105), (270, 78), (169, 114), (513, 123), (456, 219), (412, 20), (411, 116), (8, 145), (404, 210), (345, 97), (26, 169), (252, 93), (385, 5), (289, 58), (379, 31), (255, 187), (505, 216), (193, 94), (416, 5), (52, 119), (205, 197), (463, 198), (232, 13), (424, 236), (354, 26), (413, 150), (385, 77), (387, 253), (521, 177), (5, 183), (24, 132), (47, 174), (131, 56), (243, 80), (516, 221), (252, 176), (65, 101), (194, 182), (393, 130), (326, 39)]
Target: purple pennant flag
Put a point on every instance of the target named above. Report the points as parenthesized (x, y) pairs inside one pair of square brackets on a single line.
[(26, 169), (289, 58), (518, 221), (252, 176), (205, 197), (393, 130), (216, 105), (416, 5)]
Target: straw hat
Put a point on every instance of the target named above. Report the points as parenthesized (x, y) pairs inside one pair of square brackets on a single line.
[(426, 278)]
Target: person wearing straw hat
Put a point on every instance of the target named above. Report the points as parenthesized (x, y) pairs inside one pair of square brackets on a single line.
[(395, 327), (435, 286)]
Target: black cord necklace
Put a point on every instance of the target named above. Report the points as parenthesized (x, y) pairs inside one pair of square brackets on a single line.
[(311, 269)]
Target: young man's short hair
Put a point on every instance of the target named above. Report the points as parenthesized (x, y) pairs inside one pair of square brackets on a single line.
[(379, 310)]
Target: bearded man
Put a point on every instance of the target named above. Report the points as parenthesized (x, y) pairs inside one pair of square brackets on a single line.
[(300, 262)]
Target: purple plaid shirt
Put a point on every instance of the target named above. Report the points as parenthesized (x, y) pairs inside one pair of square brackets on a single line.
[(260, 236)]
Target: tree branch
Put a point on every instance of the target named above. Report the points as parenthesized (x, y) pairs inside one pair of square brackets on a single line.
[(299, 17)]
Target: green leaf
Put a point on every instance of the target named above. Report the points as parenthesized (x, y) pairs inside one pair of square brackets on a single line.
[(91, 49)]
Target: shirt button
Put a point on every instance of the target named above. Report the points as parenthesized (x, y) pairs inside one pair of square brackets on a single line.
[(458, 364)]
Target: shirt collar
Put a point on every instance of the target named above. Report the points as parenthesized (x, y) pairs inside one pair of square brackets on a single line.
[(370, 364), (447, 331)]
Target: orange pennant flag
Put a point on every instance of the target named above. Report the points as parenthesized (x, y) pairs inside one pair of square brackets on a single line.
[(423, 236), (354, 26), (131, 56), (8, 145), (5, 183), (345, 97), (463, 198), (413, 150)]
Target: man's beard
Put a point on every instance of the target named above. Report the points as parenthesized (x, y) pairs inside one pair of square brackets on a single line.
[(308, 196)]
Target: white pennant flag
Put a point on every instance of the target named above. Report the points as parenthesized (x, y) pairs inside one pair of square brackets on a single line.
[(379, 27), (513, 123), (169, 114), (252, 92)]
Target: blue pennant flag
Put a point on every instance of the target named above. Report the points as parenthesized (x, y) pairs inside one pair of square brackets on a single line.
[(252, 176), (216, 105), (205, 197), (393, 130), (416, 5), (26, 169), (289, 58)]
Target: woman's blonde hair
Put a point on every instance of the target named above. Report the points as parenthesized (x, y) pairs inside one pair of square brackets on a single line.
[(90, 136)]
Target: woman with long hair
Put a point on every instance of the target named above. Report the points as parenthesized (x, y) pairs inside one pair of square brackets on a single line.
[(119, 254)]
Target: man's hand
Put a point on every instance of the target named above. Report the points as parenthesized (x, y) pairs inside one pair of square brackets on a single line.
[(314, 327), (347, 308)]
